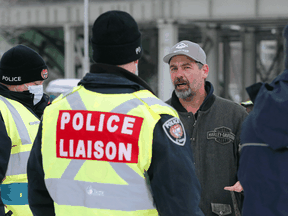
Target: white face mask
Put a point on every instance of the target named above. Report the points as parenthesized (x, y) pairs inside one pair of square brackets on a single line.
[(37, 91), (136, 72)]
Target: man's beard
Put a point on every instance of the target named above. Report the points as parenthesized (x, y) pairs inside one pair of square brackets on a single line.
[(184, 94)]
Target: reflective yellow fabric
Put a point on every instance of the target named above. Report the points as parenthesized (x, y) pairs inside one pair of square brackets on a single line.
[(16, 172), (95, 171)]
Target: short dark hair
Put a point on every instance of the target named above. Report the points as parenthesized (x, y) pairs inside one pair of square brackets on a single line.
[(200, 65)]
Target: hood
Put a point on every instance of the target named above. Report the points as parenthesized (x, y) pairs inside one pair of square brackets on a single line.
[(269, 116)]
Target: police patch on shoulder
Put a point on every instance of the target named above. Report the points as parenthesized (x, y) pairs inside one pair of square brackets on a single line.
[(175, 131)]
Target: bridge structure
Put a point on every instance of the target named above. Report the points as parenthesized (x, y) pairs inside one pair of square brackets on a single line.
[(226, 29)]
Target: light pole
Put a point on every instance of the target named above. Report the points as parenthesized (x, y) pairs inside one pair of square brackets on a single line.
[(86, 38)]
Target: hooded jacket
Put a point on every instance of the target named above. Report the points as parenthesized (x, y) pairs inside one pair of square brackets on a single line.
[(263, 171)]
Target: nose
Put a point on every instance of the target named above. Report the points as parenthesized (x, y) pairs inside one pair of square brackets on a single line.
[(179, 73), (179, 78)]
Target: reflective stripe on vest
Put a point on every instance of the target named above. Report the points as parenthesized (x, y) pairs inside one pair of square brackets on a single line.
[(116, 196), (22, 130), (134, 103), (17, 162), (253, 144), (14, 189), (152, 101)]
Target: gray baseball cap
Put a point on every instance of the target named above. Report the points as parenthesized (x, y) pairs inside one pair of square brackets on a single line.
[(187, 48)]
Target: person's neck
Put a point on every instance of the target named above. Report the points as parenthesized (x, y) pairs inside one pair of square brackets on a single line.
[(193, 103)]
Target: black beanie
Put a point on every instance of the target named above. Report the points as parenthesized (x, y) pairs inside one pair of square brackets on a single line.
[(116, 39), (20, 65)]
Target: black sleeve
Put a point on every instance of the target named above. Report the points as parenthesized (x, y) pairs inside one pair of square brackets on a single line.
[(175, 187), (5, 151), (40, 202)]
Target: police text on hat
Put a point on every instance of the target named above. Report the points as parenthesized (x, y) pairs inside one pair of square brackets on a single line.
[(20, 65)]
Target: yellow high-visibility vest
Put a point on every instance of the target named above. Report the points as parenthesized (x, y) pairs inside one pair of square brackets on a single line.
[(21, 126), (96, 149)]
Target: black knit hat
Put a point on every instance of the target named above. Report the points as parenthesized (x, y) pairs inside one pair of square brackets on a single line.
[(20, 65), (116, 39)]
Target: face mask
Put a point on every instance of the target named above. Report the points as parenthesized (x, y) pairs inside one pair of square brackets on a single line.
[(37, 91), (136, 72)]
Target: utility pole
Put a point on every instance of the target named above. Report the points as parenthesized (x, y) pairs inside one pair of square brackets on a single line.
[(86, 61)]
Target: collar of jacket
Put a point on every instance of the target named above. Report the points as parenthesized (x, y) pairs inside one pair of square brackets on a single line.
[(207, 103), (103, 75), (26, 99)]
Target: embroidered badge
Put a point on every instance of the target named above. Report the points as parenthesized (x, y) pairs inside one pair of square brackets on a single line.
[(222, 135), (181, 46), (44, 73), (175, 131), (138, 50)]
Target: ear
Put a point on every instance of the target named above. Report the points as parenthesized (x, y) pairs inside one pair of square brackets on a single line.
[(205, 70)]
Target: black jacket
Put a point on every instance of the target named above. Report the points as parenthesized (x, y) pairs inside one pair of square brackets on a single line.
[(26, 99), (264, 153), (215, 137), (175, 188)]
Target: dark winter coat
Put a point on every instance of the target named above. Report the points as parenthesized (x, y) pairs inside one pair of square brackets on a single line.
[(263, 170), (215, 138)]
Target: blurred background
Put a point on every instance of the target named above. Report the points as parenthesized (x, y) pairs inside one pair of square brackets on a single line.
[(242, 38)]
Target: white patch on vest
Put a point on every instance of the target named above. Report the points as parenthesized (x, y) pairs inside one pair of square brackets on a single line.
[(35, 122), (93, 192)]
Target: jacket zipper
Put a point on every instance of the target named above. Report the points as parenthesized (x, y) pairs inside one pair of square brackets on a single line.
[(194, 123)]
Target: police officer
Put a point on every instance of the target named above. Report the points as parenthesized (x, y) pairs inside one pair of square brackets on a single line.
[(264, 152), (110, 146), (22, 73)]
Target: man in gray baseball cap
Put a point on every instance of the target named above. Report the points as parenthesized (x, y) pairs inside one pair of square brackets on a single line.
[(213, 124)]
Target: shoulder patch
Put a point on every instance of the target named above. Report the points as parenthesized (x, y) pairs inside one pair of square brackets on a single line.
[(174, 129), (44, 74)]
